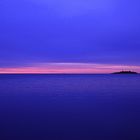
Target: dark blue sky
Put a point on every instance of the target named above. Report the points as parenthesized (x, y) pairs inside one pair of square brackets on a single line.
[(69, 31)]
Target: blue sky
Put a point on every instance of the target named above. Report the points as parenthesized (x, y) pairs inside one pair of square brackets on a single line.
[(69, 31)]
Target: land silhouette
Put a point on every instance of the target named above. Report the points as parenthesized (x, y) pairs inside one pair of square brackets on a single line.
[(125, 72)]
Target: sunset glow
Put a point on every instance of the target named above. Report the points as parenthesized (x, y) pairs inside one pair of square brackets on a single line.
[(69, 68)]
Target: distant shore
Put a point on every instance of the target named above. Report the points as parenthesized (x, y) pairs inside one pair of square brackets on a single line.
[(125, 72)]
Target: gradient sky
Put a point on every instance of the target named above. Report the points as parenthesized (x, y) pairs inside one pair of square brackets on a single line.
[(69, 35)]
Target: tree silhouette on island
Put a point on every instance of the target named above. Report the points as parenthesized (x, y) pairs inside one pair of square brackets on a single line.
[(125, 72)]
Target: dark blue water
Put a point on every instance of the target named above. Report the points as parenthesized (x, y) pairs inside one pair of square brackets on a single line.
[(69, 107)]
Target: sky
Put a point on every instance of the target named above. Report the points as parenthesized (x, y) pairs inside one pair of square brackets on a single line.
[(69, 36)]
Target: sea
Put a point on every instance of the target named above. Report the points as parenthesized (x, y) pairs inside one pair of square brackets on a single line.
[(69, 107)]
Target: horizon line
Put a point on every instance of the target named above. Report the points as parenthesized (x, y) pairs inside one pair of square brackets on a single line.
[(68, 68)]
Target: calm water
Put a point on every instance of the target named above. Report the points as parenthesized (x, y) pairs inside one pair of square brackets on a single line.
[(69, 107)]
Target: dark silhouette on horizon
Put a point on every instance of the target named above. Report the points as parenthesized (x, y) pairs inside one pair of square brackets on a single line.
[(125, 72)]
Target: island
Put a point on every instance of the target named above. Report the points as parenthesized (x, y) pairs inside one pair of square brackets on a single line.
[(125, 72)]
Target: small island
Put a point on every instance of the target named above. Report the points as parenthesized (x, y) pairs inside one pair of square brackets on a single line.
[(125, 72)]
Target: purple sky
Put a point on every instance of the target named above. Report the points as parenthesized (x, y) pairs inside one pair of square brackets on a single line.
[(97, 32)]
